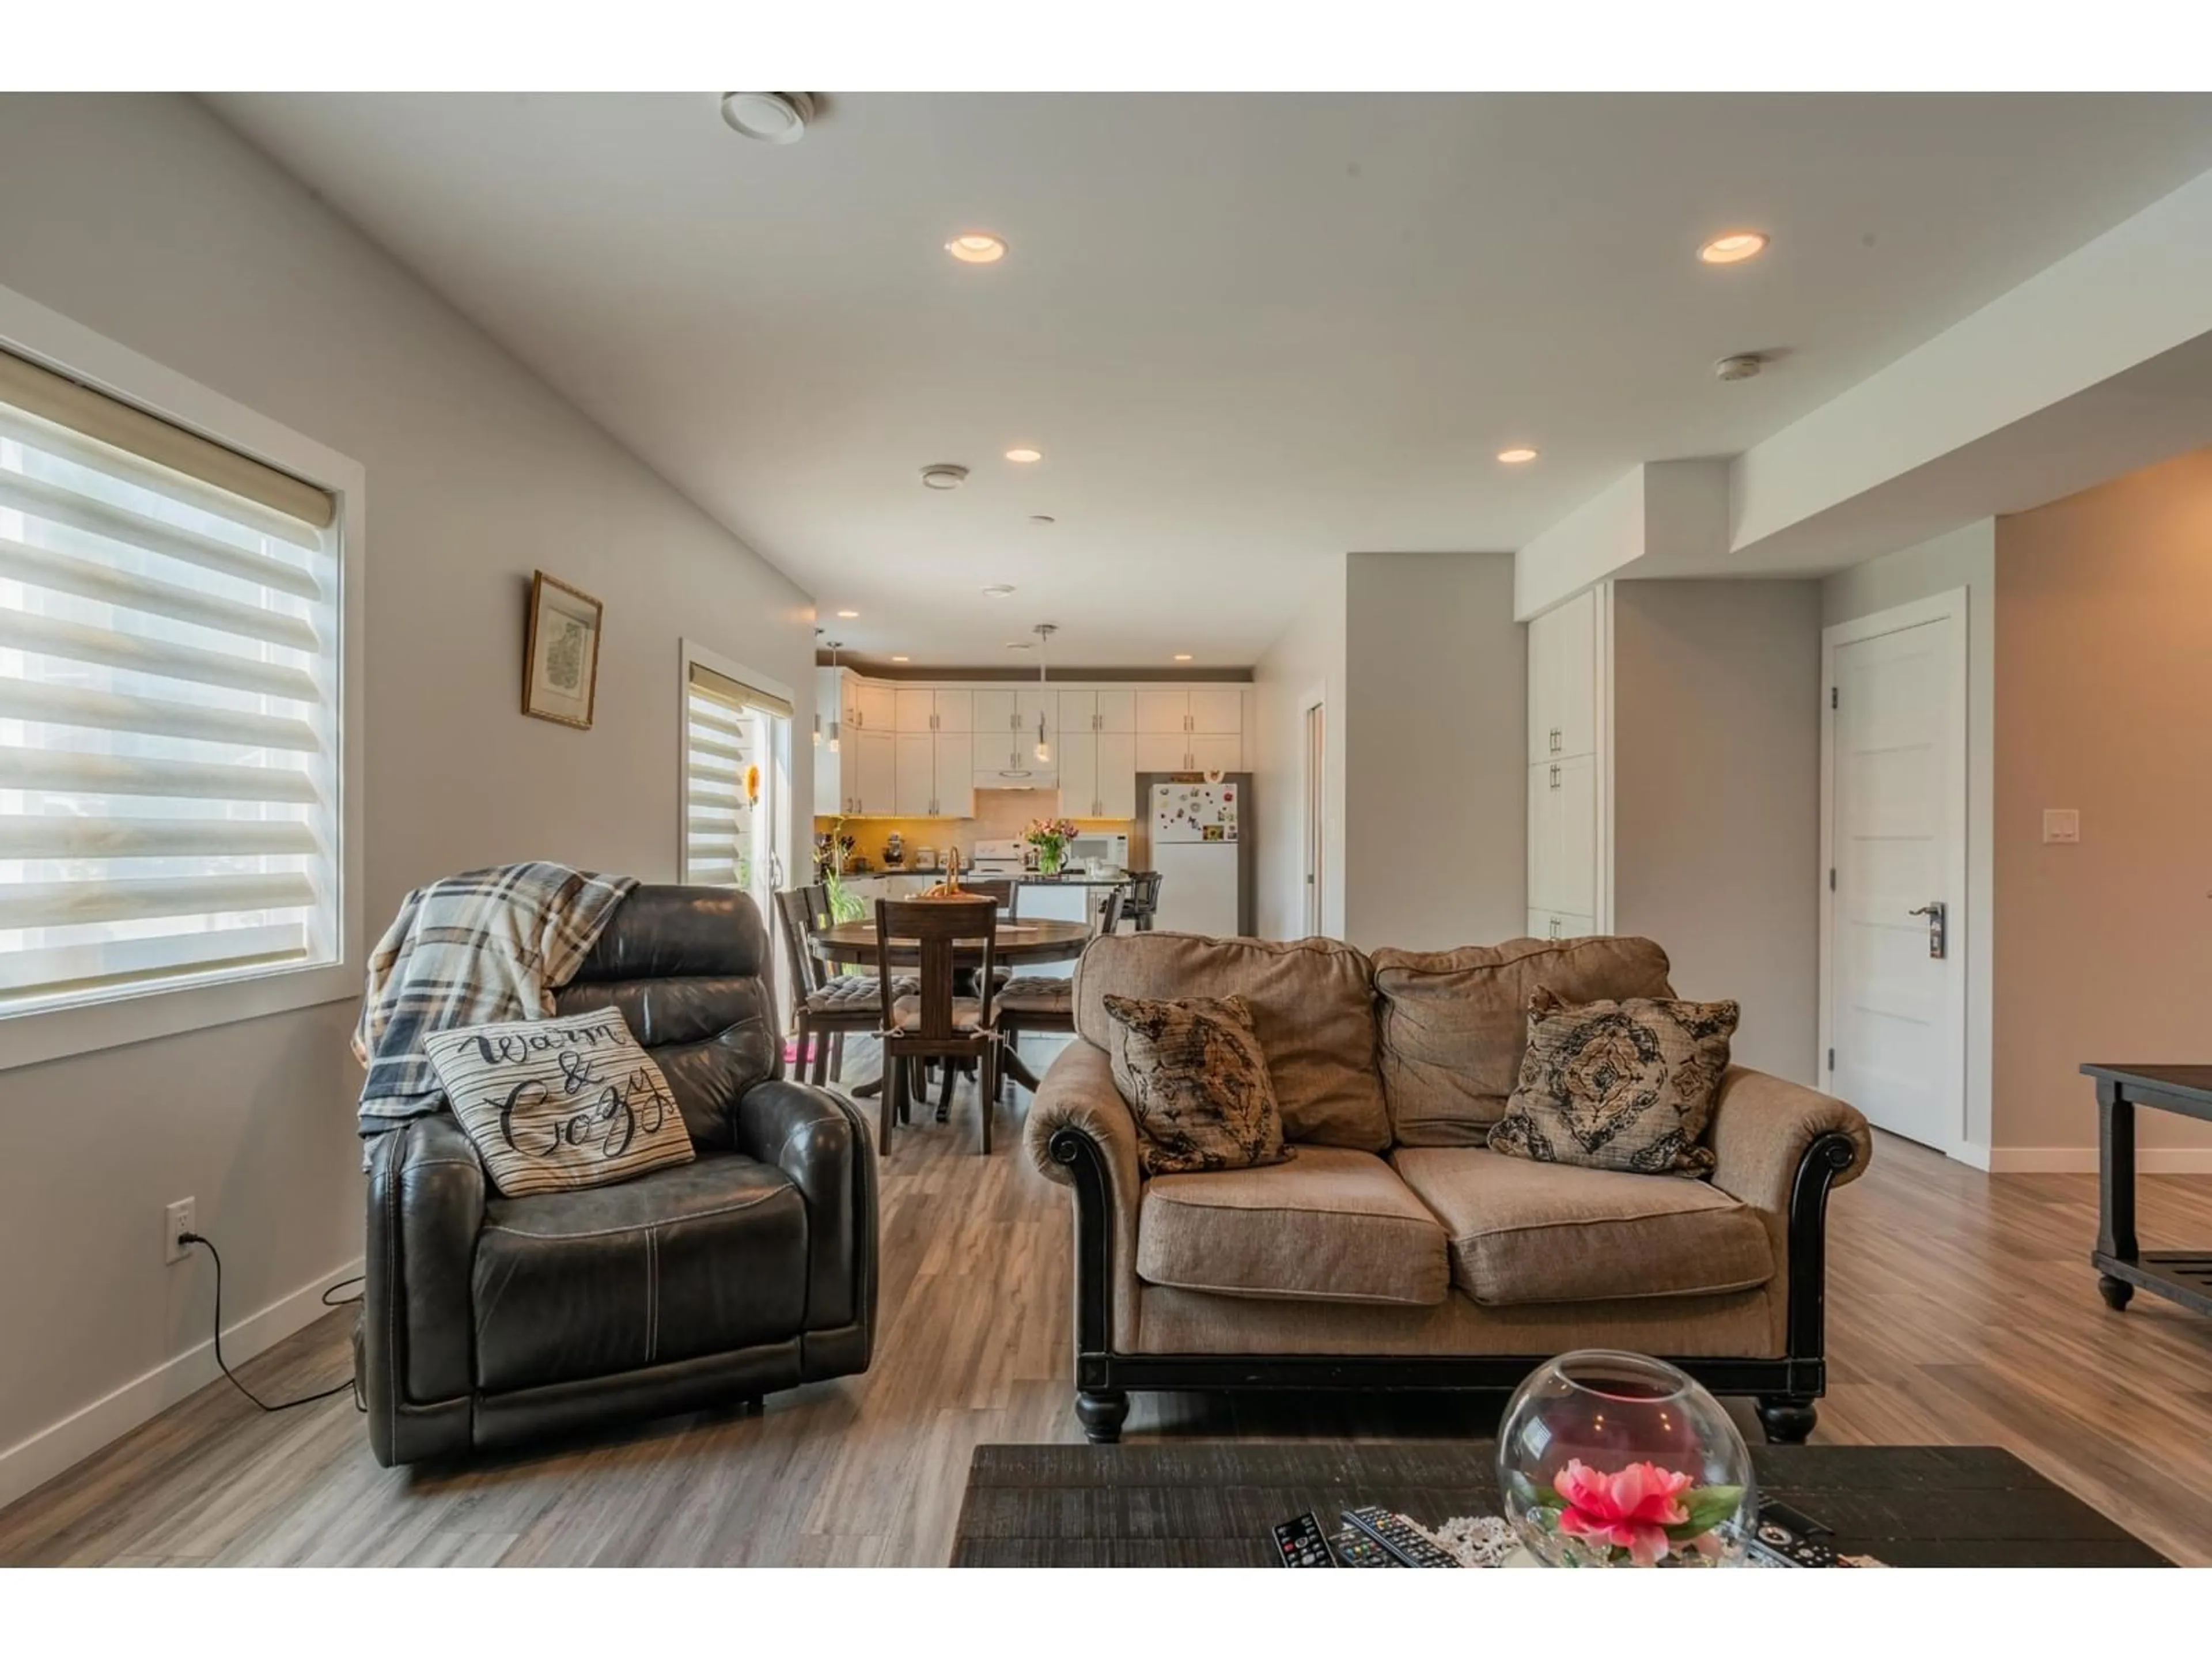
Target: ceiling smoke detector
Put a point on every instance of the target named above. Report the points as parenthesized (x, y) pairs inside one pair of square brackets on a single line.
[(1743, 367), (772, 117), (944, 476)]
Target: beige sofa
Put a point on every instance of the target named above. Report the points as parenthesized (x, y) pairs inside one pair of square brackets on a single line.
[(1395, 1251)]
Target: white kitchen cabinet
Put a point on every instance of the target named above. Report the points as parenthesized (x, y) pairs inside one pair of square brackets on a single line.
[(1033, 703), (1163, 751), (1076, 711), (877, 779), (875, 706), (1558, 924), (1117, 775), (1563, 838), (916, 762), (996, 713), (1117, 710), (1162, 711), (955, 776), (1218, 710), (1078, 773), (915, 708), (1215, 752), (1564, 678), (956, 710)]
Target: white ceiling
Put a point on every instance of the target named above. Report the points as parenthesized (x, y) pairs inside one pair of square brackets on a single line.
[(1248, 330)]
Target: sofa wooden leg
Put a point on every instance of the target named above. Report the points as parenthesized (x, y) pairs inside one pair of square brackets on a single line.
[(1101, 1413), (1788, 1418)]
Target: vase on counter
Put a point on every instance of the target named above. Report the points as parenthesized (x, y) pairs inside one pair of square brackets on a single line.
[(1047, 861)]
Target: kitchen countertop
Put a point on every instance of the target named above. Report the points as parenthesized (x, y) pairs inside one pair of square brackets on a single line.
[(1027, 879)]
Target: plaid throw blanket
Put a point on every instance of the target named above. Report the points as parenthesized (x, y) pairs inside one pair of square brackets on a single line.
[(491, 945)]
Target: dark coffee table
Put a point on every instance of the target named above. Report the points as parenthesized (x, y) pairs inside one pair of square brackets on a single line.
[(1211, 1504)]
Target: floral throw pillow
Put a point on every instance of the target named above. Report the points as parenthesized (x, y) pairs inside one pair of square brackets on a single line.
[(1196, 1084), (552, 1105), (1619, 1085)]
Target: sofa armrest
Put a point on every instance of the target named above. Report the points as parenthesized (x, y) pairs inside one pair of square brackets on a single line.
[(1762, 1130), (817, 1139), (426, 1206), (1080, 1134)]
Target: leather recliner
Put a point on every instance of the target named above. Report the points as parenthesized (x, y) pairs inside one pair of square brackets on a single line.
[(487, 1321)]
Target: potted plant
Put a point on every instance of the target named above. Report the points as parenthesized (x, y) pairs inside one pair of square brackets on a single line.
[(1050, 838)]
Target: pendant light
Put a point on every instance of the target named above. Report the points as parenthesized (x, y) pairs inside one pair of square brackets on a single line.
[(1044, 633), (836, 645)]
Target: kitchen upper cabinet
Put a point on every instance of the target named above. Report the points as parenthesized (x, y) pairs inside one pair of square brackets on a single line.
[(1214, 752), (925, 709), (1219, 709), (1032, 703), (1117, 711), (1117, 775), (875, 707), (1078, 773), (877, 792), (1078, 711), (1162, 711), (917, 773), (955, 776), (1163, 751), (996, 713), (1002, 750)]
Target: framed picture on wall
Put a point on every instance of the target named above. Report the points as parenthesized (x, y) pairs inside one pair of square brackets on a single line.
[(560, 659)]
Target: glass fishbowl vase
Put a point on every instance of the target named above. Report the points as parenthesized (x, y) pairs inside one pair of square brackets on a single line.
[(1615, 1459)]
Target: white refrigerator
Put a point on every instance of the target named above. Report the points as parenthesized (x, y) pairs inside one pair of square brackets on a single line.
[(1199, 852)]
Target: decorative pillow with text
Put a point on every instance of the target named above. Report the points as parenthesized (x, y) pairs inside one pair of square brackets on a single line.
[(554, 1105), (1619, 1085), (1196, 1082)]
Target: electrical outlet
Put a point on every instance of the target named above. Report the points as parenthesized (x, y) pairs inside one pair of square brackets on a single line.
[(177, 1219), (2062, 825)]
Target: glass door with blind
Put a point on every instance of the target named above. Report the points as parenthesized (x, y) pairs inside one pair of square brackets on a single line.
[(736, 779), (168, 705)]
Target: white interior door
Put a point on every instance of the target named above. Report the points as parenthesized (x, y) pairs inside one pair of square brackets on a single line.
[(1896, 763), (1315, 812)]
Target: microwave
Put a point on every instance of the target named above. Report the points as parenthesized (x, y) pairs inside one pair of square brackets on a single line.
[(1111, 851)]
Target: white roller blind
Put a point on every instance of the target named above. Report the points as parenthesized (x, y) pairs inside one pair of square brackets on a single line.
[(168, 665), (727, 736)]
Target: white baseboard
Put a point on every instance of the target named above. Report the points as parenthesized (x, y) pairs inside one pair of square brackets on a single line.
[(33, 1461), (2082, 1160)]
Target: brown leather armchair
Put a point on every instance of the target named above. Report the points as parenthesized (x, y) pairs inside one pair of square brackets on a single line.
[(487, 1321)]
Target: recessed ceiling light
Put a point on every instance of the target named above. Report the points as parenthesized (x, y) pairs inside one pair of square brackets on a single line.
[(901, 659), (1021, 645), (1733, 248), (773, 118), (1042, 518), (1518, 457), (976, 248), (849, 615), (1183, 656), (998, 591), (1024, 455), (944, 475)]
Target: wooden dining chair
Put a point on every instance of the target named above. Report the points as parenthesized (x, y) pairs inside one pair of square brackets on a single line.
[(933, 1023), (1046, 1002), (824, 1006)]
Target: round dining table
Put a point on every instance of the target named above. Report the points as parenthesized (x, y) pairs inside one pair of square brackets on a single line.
[(855, 944)]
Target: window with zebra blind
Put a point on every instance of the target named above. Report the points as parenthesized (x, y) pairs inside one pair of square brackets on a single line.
[(170, 686), (736, 736)]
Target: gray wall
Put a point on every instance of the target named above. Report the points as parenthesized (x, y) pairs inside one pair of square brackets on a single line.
[(146, 218), (1716, 802), (1308, 656), (1966, 558), (1436, 711)]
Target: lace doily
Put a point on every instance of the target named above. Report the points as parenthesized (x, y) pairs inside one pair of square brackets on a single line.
[(1477, 1540)]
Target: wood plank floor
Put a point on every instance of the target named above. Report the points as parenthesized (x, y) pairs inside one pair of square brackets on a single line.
[(1962, 1310)]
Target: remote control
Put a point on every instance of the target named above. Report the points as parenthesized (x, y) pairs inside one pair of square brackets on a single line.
[(1775, 1543), (1301, 1543), (1354, 1548), (1395, 1534)]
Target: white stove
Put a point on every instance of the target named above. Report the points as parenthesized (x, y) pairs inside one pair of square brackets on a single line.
[(999, 858)]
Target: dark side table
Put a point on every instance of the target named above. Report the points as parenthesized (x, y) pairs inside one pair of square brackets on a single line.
[(2183, 1276)]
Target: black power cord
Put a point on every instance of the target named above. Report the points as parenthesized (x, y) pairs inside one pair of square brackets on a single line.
[(329, 1300)]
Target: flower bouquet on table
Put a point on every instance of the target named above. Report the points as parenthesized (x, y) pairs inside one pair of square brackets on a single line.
[(1050, 836)]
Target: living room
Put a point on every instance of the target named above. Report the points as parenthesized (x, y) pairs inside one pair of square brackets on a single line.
[(1479, 554)]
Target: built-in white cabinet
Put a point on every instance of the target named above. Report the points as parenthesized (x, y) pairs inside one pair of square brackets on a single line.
[(1117, 711), (1569, 861), (875, 708), (996, 711), (1098, 773), (1190, 729), (917, 774), (876, 785), (956, 777)]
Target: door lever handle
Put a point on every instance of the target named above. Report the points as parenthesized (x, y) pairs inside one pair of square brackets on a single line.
[(1934, 910)]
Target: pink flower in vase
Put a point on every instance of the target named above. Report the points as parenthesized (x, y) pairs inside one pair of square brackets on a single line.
[(1629, 1508)]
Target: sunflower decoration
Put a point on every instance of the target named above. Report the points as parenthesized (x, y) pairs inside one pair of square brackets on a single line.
[(752, 786)]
